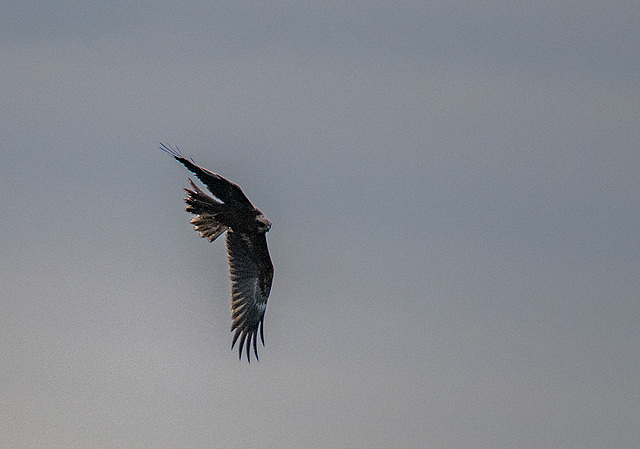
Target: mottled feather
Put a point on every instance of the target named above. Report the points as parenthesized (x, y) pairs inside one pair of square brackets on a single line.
[(250, 266), (251, 273)]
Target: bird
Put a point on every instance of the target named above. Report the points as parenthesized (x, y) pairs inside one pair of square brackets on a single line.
[(250, 266)]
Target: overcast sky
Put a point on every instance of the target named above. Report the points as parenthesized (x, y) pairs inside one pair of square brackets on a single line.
[(455, 196)]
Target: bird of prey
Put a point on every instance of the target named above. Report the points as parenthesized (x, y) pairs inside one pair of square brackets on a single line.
[(250, 266)]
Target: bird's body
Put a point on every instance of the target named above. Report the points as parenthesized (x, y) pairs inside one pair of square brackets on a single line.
[(250, 265)]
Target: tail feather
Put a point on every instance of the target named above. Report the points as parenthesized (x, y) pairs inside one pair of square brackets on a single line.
[(199, 202), (207, 211), (208, 226)]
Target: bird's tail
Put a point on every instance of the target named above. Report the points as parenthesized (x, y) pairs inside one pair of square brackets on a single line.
[(207, 211)]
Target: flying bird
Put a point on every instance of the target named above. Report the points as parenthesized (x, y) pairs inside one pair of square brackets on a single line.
[(250, 266)]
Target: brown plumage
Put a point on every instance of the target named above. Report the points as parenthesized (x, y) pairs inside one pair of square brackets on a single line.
[(250, 266)]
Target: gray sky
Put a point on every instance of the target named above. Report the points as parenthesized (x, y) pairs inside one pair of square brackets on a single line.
[(454, 191)]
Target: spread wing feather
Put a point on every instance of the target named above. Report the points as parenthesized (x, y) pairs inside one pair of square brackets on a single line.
[(208, 213), (251, 273), (250, 266), (228, 192)]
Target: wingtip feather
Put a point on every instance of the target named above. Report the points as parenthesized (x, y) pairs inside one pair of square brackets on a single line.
[(261, 325), (173, 152), (255, 345), (235, 336), (242, 340)]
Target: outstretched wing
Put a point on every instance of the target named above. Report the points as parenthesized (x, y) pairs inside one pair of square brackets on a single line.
[(228, 192), (251, 273)]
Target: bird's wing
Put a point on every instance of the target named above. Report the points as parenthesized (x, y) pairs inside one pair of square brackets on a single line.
[(251, 273), (228, 192)]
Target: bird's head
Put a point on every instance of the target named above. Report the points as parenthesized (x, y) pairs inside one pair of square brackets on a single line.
[(263, 223)]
